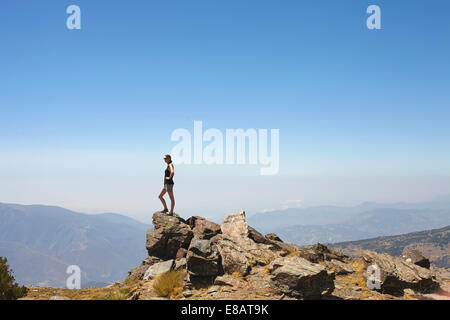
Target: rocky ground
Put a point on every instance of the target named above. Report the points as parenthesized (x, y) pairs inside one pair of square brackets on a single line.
[(198, 259)]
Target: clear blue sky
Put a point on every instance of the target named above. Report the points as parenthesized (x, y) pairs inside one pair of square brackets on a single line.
[(86, 114)]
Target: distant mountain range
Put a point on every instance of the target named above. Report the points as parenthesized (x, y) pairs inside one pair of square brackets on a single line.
[(40, 242), (330, 224), (434, 244)]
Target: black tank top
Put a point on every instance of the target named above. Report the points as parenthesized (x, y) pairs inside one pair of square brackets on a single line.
[(167, 174)]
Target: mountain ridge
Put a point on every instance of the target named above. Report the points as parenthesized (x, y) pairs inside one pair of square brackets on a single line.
[(105, 246)]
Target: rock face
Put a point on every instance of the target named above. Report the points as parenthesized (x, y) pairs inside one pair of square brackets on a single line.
[(398, 274), (234, 225), (416, 257), (158, 268), (169, 235), (202, 228), (203, 262), (299, 277), (256, 236), (240, 254)]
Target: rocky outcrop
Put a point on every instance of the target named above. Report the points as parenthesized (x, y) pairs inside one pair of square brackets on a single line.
[(235, 225), (298, 277), (202, 262), (397, 274), (416, 257), (231, 256), (169, 235)]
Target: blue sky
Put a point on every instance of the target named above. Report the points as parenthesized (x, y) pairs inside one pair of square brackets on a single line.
[(87, 114)]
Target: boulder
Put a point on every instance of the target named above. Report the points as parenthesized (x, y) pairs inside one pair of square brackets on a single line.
[(339, 267), (158, 268), (397, 274), (240, 254), (319, 253), (202, 228), (202, 261), (416, 257), (139, 271), (234, 225), (298, 277), (169, 235)]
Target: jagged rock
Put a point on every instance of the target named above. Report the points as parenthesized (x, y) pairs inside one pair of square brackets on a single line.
[(139, 271), (416, 257), (256, 236), (283, 248), (339, 267), (202, 228), (398, 274), (234, 225), (158, 268), (273, 236), (203, 262), (298, 277), (239, 254), (169, 235), (319, 252)]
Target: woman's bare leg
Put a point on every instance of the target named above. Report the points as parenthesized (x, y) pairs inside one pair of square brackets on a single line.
[(172, 202), (161, 195)]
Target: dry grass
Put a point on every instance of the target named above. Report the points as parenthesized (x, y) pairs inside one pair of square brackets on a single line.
[(169, 284), (120, 291), (358, 266)]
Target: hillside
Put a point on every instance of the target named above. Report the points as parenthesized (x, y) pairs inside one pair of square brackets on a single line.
[(434, 244), (330, 224), (40, 242)]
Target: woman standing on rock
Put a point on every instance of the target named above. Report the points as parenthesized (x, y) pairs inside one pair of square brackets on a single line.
[(168, 186)]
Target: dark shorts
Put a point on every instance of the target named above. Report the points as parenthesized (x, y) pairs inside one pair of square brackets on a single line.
[(168, 187)]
